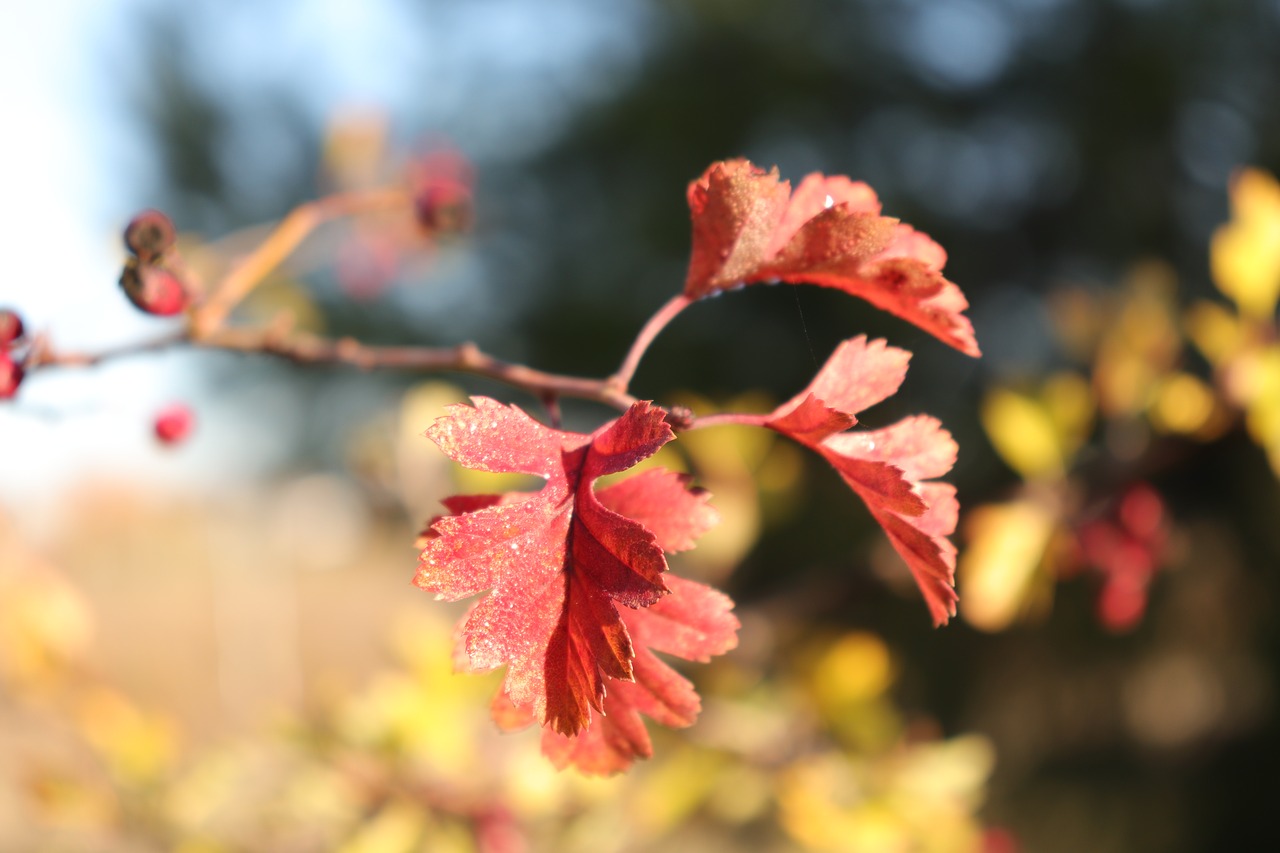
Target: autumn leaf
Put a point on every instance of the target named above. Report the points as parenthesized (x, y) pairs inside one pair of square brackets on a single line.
[(749, 228), (694, 622), (554, 562), (888, 468)]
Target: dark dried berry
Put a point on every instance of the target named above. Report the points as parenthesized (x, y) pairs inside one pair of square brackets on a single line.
[(11, 374), (11, 328), (149, 235), (153, 289), (443, 206)]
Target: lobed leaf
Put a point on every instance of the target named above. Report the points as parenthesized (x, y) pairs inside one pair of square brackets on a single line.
[(887, 468), (555, 562), (748, 227), (695, 622)]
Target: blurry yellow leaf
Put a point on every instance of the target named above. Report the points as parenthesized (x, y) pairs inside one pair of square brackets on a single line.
[(1068, 399), (849, 680), (1215, 331), (741, 794), (737, 465), (856, 668), (817, 800), (321, 797), (674, 788), (531, 785), (922, 797), (138, 747), (730, 449), (45, 625), (1023, 434), (1245, 252), (399, 827), (65, 800), (1006, 547), (1183, 404), (1141, 344), (428, 711), (951, 772)]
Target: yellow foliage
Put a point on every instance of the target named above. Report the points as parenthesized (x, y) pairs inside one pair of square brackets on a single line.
[(849, 683), (856, 668), (428, 711), (919, 798), (675, 788), (1023, 433), (398, 826), (999, 567), (1068, 399), (45, 626), (1183, 404), (138, 747), (1215, 331), (1245, 252), (1142, 343)]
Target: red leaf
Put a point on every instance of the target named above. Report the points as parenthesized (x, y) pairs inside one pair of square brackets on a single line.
[(663, 502), (748, 227), (888, 467), (694, 622), (554, 561)]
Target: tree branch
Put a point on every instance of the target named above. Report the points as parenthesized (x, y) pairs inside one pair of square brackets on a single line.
[(315, 350)]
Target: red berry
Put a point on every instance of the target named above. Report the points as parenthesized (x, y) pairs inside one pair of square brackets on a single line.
[(149, 235), (11, 374), (1142, 511), (174, 423), (443, 205), (1121, 603), (153, 289), (10, 327)]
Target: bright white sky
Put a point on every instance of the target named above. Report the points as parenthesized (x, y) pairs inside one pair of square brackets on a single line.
[(52, 236)]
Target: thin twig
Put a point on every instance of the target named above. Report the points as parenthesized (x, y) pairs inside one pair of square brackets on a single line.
[(664, 315), (312, 349), (287, 236), (729, 419)]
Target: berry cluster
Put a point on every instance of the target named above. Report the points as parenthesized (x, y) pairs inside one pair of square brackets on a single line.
[(152, 278)]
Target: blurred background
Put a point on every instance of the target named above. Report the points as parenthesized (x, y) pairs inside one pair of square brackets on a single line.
[(215, 645)]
